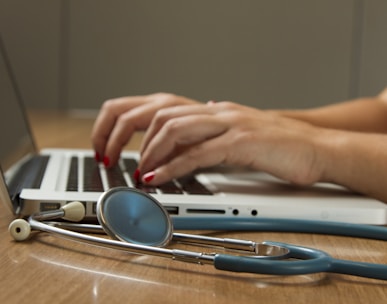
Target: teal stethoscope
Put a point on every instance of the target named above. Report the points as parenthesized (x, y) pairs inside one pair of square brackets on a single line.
[(139, 224)]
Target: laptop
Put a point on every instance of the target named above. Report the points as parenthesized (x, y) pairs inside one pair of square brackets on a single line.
[(33, 181)]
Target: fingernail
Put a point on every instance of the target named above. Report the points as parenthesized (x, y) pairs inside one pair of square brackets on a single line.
[(97, 157), (136, 175), (210, 102), (106, 161), (149, 176)]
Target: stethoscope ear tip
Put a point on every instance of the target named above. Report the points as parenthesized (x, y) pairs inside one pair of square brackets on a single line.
[(19, 229)]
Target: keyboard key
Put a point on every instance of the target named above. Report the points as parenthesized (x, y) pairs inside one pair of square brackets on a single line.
[(146, 188), (170, 188), (192, 186), (72, 180), (115, 177), (131, 165), (92, 179)]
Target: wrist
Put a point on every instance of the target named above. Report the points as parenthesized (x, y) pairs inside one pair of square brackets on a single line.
[(332, 157), (350, 158)]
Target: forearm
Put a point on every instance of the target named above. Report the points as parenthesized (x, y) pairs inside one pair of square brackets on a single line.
[(364, 115), (354, 160)]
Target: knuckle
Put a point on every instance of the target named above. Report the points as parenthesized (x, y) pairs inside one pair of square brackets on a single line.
[(172, 126), (169, 99), (122, 119), (108, 105), (227, 105), (162, 116), (163, 98)]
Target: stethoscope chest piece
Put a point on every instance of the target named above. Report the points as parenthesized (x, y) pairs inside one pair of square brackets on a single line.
[(130, 215)]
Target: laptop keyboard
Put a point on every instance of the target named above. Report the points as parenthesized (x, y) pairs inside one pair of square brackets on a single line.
[(92, 180)]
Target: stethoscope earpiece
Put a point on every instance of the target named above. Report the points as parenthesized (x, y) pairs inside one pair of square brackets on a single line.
[(19, 229)]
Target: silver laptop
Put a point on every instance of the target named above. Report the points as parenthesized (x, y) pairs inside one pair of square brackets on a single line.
[(33, 181)]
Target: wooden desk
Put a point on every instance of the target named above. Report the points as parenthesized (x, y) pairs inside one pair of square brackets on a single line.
[(49, 269)]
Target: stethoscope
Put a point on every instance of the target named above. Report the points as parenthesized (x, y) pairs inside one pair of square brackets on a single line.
[(139, 224)]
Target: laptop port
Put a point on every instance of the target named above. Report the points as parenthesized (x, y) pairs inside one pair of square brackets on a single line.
[(172, 210), (206, 211), (49, 206)]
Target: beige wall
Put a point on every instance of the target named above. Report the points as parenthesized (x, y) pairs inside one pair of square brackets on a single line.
[(31, 32), (373, 59), (292, 54)]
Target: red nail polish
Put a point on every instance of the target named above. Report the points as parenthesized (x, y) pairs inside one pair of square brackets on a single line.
[(136, 175), (149, 176), (106, 161), (97, 157)]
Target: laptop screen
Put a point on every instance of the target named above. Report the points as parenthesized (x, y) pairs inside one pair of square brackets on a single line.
[(15, 137)]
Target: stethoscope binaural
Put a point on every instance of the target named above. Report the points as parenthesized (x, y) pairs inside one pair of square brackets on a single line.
[(139, 224)]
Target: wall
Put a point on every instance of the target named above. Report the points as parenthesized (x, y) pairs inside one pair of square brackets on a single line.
[(31, 32), (373, 59), (290, 54)]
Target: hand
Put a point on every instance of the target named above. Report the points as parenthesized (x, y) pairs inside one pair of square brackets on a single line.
[(184, 138), (120, 118)]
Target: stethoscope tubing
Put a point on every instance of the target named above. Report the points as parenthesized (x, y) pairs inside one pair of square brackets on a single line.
[(361, 269), (281, 225), (320, 261), (312, 261)]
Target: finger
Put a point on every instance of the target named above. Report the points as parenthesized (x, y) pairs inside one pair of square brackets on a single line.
[(177, 132), (125, 125), (167, 114), (143, 108), (206, 154), (107, 117)]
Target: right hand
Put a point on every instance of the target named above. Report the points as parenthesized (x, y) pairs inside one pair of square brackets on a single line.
[(119, 118)]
